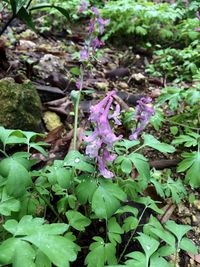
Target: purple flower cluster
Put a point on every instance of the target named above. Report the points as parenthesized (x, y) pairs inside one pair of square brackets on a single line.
[(101, 141), (143, 113), (96, 27)]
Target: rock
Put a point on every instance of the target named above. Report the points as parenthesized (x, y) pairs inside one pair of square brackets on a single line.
[(20, 106), (59, 80), (196, 204), (52, 120), (155, 92), (28, 35), (123, 85), (138, 77), (194, 220), (48, 64), (102, 85), (26, 45), (117, 73)]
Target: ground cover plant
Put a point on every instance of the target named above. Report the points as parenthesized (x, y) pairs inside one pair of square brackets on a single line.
[(105, 185)]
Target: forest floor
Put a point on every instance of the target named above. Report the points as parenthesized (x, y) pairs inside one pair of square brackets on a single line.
[(47, 60)]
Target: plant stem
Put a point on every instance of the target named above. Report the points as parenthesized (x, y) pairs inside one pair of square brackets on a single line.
[(27, 6), (183, 125), (139, 148), (4, 153), (77, 109), (50, 206), (132, 234), (7, 24)]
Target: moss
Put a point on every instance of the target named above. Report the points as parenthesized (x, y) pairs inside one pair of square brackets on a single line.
[(20, 105)]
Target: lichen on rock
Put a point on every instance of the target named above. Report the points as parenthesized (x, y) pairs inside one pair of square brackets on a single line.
[(20, 105)]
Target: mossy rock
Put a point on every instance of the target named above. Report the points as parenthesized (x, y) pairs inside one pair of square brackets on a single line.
[(20, 106)]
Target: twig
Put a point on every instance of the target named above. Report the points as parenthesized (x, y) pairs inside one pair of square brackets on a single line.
[(121, 102)]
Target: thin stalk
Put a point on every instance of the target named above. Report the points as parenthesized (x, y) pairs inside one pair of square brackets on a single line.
[(4, 153), (183, 125), (132, 234), (11, 19), (137, 149), (27, 6), (7, 24), (147, 261), (77, 109), (50, 206), (176, 255)]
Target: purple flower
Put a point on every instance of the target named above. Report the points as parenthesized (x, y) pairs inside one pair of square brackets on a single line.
[(91, 26), (102, 139), (95, 11), (198, 15), (103, 170), (83, 7), (115, 114), (143, 113), (197, 29), (84, 54), (96, 43), (78, 83), (102, 23), (93, 147)]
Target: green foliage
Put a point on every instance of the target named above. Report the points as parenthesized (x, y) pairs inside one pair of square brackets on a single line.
[(142, 18), (75, 199), (32, 240), (23, 9), (176, 64), (167, 187)]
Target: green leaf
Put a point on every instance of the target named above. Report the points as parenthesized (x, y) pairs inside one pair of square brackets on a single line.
[(187, 245), (151, 141), (20, 4), (126, 166), (106, 199), (149, 203), (77, 220), (159, 187), (130, 224), (165, 236), (59, 175), (166, 250), (26, 17), (173, 130), (125, 209), (114, 231), (78, 161), (75, 71), (41, 260), (177, 229), (45, 237), (175, 189), (58, 249), (63, 11), (188, 140), (86, 188), (138, 259), (141, 164), (7, 250), (18, 178), (192, 163), (156, 261), (9, 205), (38, 147), (105, 251), (25, 249), (149, 244)]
